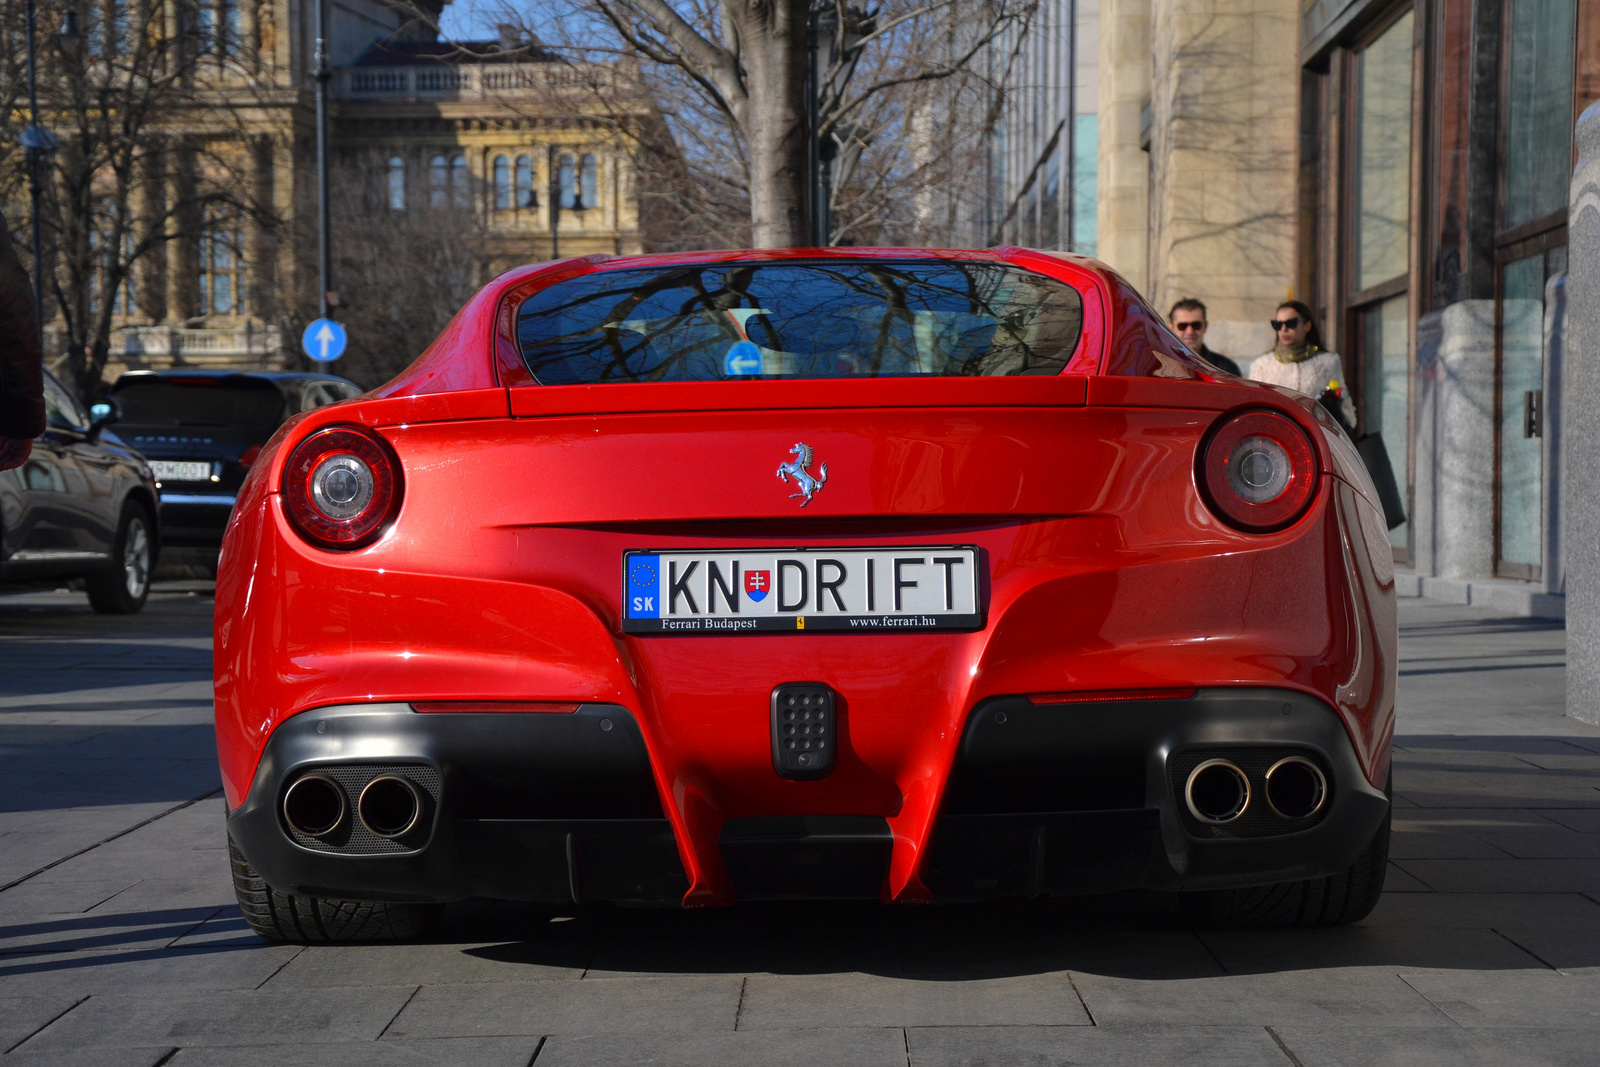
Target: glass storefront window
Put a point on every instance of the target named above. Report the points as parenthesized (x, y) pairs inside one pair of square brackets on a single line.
[(1385, 389), (1383, 155), (1522, 343), (1538, 126)]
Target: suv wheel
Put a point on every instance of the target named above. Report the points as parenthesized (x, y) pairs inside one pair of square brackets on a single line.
[(122, 588)]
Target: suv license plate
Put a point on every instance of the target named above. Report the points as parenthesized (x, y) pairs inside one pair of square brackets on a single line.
[(855, 590), (167, 470)]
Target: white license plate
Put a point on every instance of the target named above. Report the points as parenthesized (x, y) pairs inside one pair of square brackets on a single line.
[(167, 470), (869, 591)]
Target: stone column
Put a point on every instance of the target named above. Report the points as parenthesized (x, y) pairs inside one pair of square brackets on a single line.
[(1123, 214), (1580, 441), (1224, 136)]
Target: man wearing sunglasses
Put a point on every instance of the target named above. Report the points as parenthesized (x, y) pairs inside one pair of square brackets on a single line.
[(1298, 362), (1188, 320)]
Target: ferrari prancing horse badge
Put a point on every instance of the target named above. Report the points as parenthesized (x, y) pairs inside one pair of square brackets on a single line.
[(809, 486)]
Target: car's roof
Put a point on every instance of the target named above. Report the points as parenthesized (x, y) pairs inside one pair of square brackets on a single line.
[(217, 373)]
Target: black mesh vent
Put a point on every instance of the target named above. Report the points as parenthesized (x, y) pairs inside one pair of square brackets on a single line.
[(1258, 819), (353, 839)]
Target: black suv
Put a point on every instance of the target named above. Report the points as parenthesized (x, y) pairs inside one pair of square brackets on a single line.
[(201, 430), (82, 506)]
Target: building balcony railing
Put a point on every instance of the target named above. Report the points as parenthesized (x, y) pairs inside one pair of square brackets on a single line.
[(489, 81), (161, 344)]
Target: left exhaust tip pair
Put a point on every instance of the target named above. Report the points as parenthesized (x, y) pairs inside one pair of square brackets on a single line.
[(316, 806)]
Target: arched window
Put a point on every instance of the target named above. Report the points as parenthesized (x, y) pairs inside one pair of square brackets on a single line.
[(526, 197), (568, 183), (397, 184), (438, 175), (591, 183), (458, 180), (502, 183)]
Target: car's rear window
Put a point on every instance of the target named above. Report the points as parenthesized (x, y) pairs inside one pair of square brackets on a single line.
[(832, 319), (255, 405)]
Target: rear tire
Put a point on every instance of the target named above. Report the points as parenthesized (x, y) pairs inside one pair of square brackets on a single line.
[(1338, 900), (279, 916), (124, 586)]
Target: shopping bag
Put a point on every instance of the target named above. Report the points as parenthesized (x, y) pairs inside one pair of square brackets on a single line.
[(1376, 457)]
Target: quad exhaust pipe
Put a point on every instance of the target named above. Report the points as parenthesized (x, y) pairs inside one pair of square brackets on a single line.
[(1296, 788), (390, 806), (315, 806), (1217, 792)]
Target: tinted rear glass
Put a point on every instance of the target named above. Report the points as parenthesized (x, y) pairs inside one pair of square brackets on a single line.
[(838, 319), (166, 403)]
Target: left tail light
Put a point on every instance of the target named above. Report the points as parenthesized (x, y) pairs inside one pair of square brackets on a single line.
[(1258, 470), (342, 487)]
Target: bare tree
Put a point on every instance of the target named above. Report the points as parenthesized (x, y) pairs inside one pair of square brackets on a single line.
[(731, 78), (143, 162), (403, 272)]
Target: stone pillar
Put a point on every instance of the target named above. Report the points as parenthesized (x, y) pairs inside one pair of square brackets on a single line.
[(1453, 491), (1553, 573), (1580, 441), (1224, 139), (1122, 220)]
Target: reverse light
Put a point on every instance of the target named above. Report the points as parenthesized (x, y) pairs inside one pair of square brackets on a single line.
[(341, 487), (1258, 471)]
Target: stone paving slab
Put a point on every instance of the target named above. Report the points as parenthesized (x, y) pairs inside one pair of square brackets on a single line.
[(446, 1052), (1108, 1046), (1506, 875), (1284, 951), (1532, 998), (93, 1057), (1373, 996), (1360, 1046), (778, 1048), (786, 1002), (612, 1005), (145, 970), (226, 1018)]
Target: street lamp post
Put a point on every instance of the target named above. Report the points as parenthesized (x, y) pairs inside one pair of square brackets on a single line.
[(324, 251), (37, 143)]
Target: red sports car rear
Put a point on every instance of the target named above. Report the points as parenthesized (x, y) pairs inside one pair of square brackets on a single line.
[(900, 574)]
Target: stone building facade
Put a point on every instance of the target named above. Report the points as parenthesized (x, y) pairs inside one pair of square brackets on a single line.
[(1401, 166), (540, 147)]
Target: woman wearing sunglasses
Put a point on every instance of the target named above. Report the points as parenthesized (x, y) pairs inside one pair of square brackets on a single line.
[(1298, 362)]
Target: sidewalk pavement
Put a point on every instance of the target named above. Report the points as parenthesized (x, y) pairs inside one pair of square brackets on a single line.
[(120, 943)]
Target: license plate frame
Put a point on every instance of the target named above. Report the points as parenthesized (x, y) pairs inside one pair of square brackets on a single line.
[(940, 590)]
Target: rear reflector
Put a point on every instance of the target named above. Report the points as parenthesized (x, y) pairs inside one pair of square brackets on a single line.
[(1087, 696), (464, 707)]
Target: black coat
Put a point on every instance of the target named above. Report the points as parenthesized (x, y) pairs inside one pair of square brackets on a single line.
[(21, 361)]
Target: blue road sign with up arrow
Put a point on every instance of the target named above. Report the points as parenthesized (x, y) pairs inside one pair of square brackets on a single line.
[(324, 340), (743, 358)]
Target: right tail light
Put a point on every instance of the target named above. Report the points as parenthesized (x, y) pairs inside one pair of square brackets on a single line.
[(1258, 471), (342, 487)]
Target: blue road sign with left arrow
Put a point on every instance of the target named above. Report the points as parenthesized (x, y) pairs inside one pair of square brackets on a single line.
[(324, 340), (743, 358)]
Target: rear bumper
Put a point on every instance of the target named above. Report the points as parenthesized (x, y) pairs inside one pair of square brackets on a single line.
[(1042, 800)]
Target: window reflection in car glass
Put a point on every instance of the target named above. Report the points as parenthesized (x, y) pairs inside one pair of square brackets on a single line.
[(59, 409), (839, 319)]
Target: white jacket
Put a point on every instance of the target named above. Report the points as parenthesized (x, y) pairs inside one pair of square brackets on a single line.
[(1311, 377)]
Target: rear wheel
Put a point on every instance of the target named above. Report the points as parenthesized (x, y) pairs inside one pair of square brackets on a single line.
[(122, 588), (279, 916), (1337, 900)]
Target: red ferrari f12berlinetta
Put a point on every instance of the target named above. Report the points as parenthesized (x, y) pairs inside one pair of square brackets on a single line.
[(898, 574)]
